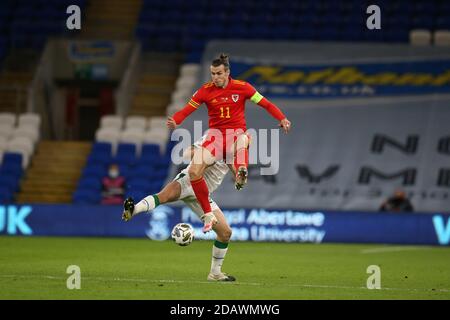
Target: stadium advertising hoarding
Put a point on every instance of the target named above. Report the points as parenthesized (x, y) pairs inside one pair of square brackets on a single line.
[(247, 224), (346, 79)]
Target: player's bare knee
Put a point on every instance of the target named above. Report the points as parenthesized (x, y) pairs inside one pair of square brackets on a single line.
[(226, 234), (195, 173)]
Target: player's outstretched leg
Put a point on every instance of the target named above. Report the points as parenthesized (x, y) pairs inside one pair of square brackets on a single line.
[(171, 192), (202, 157), (220, 248), (128, 209)]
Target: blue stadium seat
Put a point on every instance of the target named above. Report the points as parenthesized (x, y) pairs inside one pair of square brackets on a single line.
[(101, 148), (95, 170), (143, 185), (150, 151), (89, 183), (10, 182), (124, 170), (12, 168), (126, 154), (443, 22), (142, 171), (422, 22), (137, 195), (6, 195), (12, 157), (258, 31), (194, 56), (82, 196), (160, 174), (99, 159)]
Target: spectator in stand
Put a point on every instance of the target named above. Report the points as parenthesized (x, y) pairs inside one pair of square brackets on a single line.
[(113, 186), (399, 202)]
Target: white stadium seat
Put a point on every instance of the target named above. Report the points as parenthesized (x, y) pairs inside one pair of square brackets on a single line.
[(133, 136), (111, 121), (24, 143), (28, 131), (181, 95), (8, 118), (6, 130), (22, 149), (157, 123), (172, 108), (3, 146), (136, 122), (158, 137), (3, 142), (186, 83), (109, 135), (26, 119), (190, 69), (442, 38), (420, 37)]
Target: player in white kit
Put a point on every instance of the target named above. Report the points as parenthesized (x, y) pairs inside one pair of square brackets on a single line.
[(180, 189)]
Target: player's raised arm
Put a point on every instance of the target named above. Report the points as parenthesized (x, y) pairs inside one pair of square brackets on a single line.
[(179, 116), (274, 111)]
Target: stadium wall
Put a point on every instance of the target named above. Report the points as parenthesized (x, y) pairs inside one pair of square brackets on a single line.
[(367, 119), (248, 224)]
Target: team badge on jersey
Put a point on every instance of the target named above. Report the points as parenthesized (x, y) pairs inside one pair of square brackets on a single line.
[(235, 97)]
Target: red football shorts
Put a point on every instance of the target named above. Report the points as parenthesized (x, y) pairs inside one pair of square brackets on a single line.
[(221, 143)]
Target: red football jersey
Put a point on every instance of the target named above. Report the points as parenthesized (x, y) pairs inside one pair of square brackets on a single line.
[(226, 106)]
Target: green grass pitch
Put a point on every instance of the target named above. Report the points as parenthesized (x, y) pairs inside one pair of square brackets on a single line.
[(35, 268)]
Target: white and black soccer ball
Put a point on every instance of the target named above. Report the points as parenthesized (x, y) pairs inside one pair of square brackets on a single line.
[(183, 234)]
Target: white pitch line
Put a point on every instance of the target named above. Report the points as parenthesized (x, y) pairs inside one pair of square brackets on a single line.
[(228, 283), (391, 249)]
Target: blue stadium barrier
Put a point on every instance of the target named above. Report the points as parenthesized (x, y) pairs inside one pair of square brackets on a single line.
[(283, 225)]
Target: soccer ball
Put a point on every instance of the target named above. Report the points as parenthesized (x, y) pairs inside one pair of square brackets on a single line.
[(183, 234)]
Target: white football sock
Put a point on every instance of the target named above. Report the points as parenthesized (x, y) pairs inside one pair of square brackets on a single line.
[(147, 204), (218, 255)]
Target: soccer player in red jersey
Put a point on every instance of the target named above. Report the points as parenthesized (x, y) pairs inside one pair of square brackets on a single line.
[(225, 99)]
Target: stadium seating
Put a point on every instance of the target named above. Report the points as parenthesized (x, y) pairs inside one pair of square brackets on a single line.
[(281, 20), (48, 16), (143, 157), (136, 122), (17, 145), (420, 37), (442, 38), (111, 121)]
